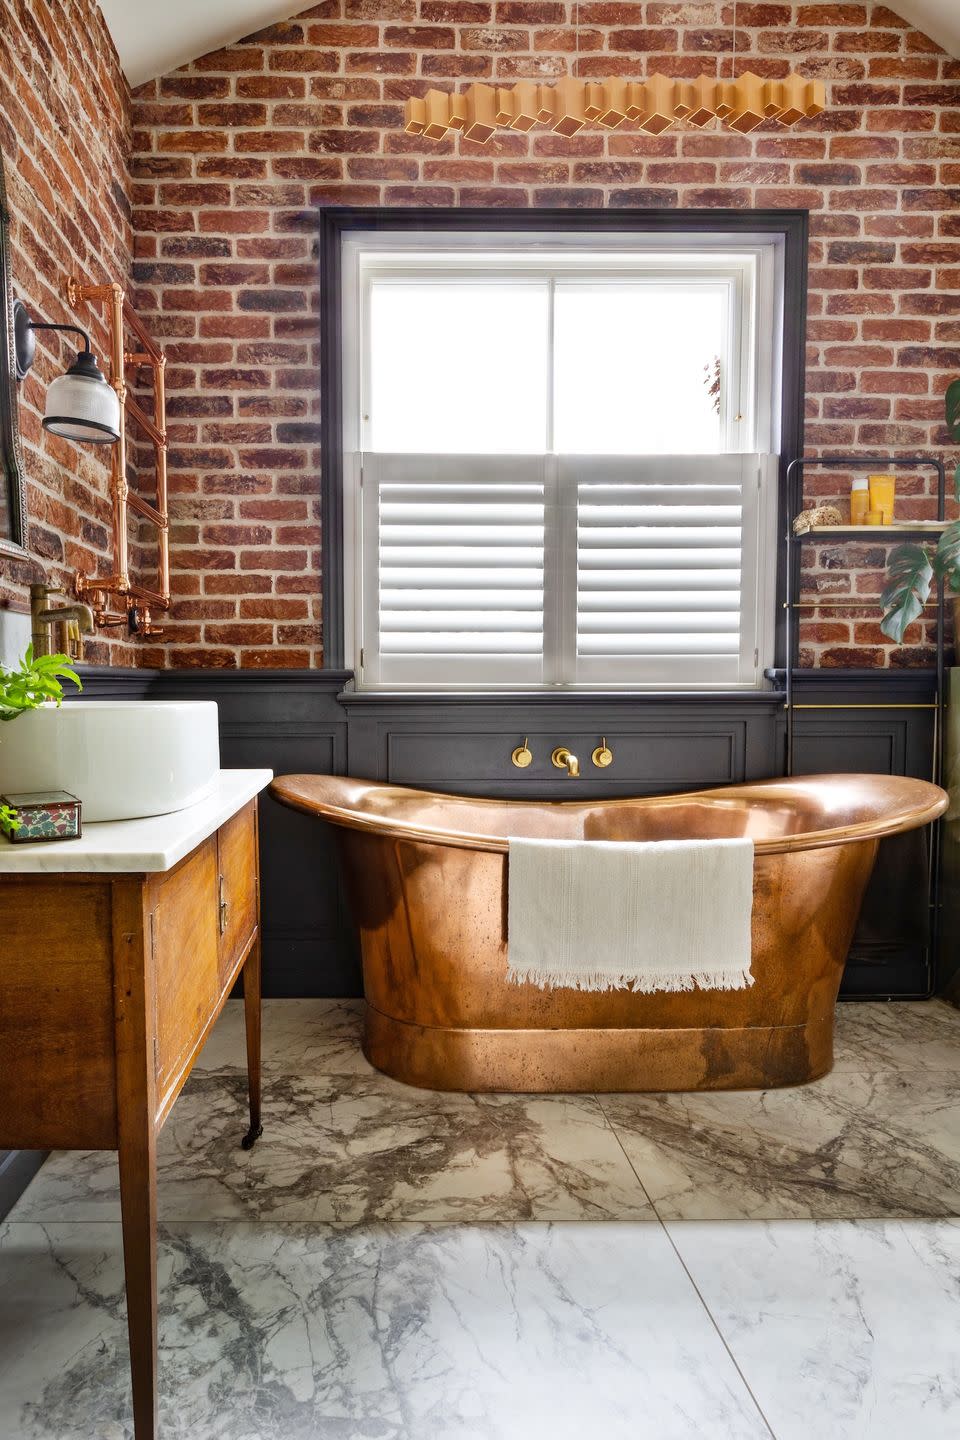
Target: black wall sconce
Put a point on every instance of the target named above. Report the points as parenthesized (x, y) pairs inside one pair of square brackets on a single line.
[(80, 405)]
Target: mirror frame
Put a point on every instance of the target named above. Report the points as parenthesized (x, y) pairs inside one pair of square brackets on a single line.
[(12, 474)]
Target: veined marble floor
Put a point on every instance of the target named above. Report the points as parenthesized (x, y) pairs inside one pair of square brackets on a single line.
[(394, 1264)]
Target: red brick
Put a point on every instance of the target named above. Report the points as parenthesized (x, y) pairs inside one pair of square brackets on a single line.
[(861, 252), (894, 382), (419, 37), (271, 87), (231, 116), (333, 34), (896, 329), (314, 110), (639, 42), (530, 12), (832, 15), (827, 174), (194, 141), (192, 87), (275, 658)]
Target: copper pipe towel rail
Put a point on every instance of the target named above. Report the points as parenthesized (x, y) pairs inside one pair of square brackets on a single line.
[(136, 601)]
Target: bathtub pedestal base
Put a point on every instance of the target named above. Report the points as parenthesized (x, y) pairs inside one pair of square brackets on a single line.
[(552, 1061)]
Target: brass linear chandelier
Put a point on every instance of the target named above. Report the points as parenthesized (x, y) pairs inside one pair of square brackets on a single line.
[(652, 105)]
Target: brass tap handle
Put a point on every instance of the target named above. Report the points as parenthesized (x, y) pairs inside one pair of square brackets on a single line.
[(523, 755), (603, 755)]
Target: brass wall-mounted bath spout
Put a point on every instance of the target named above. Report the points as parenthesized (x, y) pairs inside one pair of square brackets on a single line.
[(565, 759)]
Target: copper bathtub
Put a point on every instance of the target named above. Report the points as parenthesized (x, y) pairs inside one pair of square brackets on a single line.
[(426, 878)]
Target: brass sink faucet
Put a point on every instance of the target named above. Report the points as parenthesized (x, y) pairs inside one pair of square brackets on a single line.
[(75, 619)]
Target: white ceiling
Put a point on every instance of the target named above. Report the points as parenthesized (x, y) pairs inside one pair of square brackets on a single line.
[(154, 37), (940, 19)]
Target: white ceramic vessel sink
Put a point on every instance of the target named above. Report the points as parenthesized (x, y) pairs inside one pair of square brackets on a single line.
[(122, 759)]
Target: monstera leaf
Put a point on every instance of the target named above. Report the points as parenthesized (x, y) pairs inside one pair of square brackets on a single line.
[(953, 426), (953, 410), (909, 577), (946, 560)]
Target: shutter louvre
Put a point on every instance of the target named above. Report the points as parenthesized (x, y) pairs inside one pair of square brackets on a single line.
[(460, 551), (507, 570), (660, 571)]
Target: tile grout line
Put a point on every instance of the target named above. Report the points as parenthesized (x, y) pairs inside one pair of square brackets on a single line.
[(696, 1288), (715, 1324)]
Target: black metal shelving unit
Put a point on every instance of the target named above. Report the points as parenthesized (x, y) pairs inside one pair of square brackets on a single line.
[(792, 604)]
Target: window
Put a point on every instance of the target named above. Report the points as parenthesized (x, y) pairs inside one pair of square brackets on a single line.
[(558, 465)]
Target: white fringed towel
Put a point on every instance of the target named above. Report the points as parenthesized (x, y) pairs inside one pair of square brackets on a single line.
[(623, 915)]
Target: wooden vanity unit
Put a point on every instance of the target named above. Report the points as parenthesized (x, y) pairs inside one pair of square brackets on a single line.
[(118, 951)]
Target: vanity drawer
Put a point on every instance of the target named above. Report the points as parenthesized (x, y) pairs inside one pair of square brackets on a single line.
[(185, 944), (203, 915), (238, 887)]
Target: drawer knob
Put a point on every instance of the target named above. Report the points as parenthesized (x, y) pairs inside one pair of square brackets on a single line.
[(602, 756), (522, 756)]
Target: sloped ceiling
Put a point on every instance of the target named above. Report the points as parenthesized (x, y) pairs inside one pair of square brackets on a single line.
[(154, 37), (940, 19)]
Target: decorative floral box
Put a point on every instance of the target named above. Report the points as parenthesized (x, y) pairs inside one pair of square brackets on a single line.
[(49, 815)]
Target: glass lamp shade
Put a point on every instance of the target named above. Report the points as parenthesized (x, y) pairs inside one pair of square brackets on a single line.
[(82, 406)]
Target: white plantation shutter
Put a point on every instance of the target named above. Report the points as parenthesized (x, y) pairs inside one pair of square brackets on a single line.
[(481, 551), (666, 566), (454, 592), (493, 571)]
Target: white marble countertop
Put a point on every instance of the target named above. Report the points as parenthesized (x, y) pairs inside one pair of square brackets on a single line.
[(155, 843)]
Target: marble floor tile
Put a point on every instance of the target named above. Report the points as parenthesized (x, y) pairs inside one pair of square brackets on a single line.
[(853, 1145), (897, 1035), (350, 1148), (300, 1037), (847, 1330), (528, 1332)]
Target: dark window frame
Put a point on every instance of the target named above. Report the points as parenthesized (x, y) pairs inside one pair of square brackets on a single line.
[(334, 222)]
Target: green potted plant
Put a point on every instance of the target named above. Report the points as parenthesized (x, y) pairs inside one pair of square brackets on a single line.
[(912, 569), (34, 683)]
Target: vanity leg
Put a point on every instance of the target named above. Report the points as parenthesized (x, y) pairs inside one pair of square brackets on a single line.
[(134, 1005), (252, 1008), (138, 1205)]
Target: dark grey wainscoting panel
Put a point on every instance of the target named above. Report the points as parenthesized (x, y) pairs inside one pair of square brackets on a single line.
[(855, 731), (658, 744), (882, 742), (297, 721)]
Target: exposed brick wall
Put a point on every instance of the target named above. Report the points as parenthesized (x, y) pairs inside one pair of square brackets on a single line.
[(65, 137), (232, 151)]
